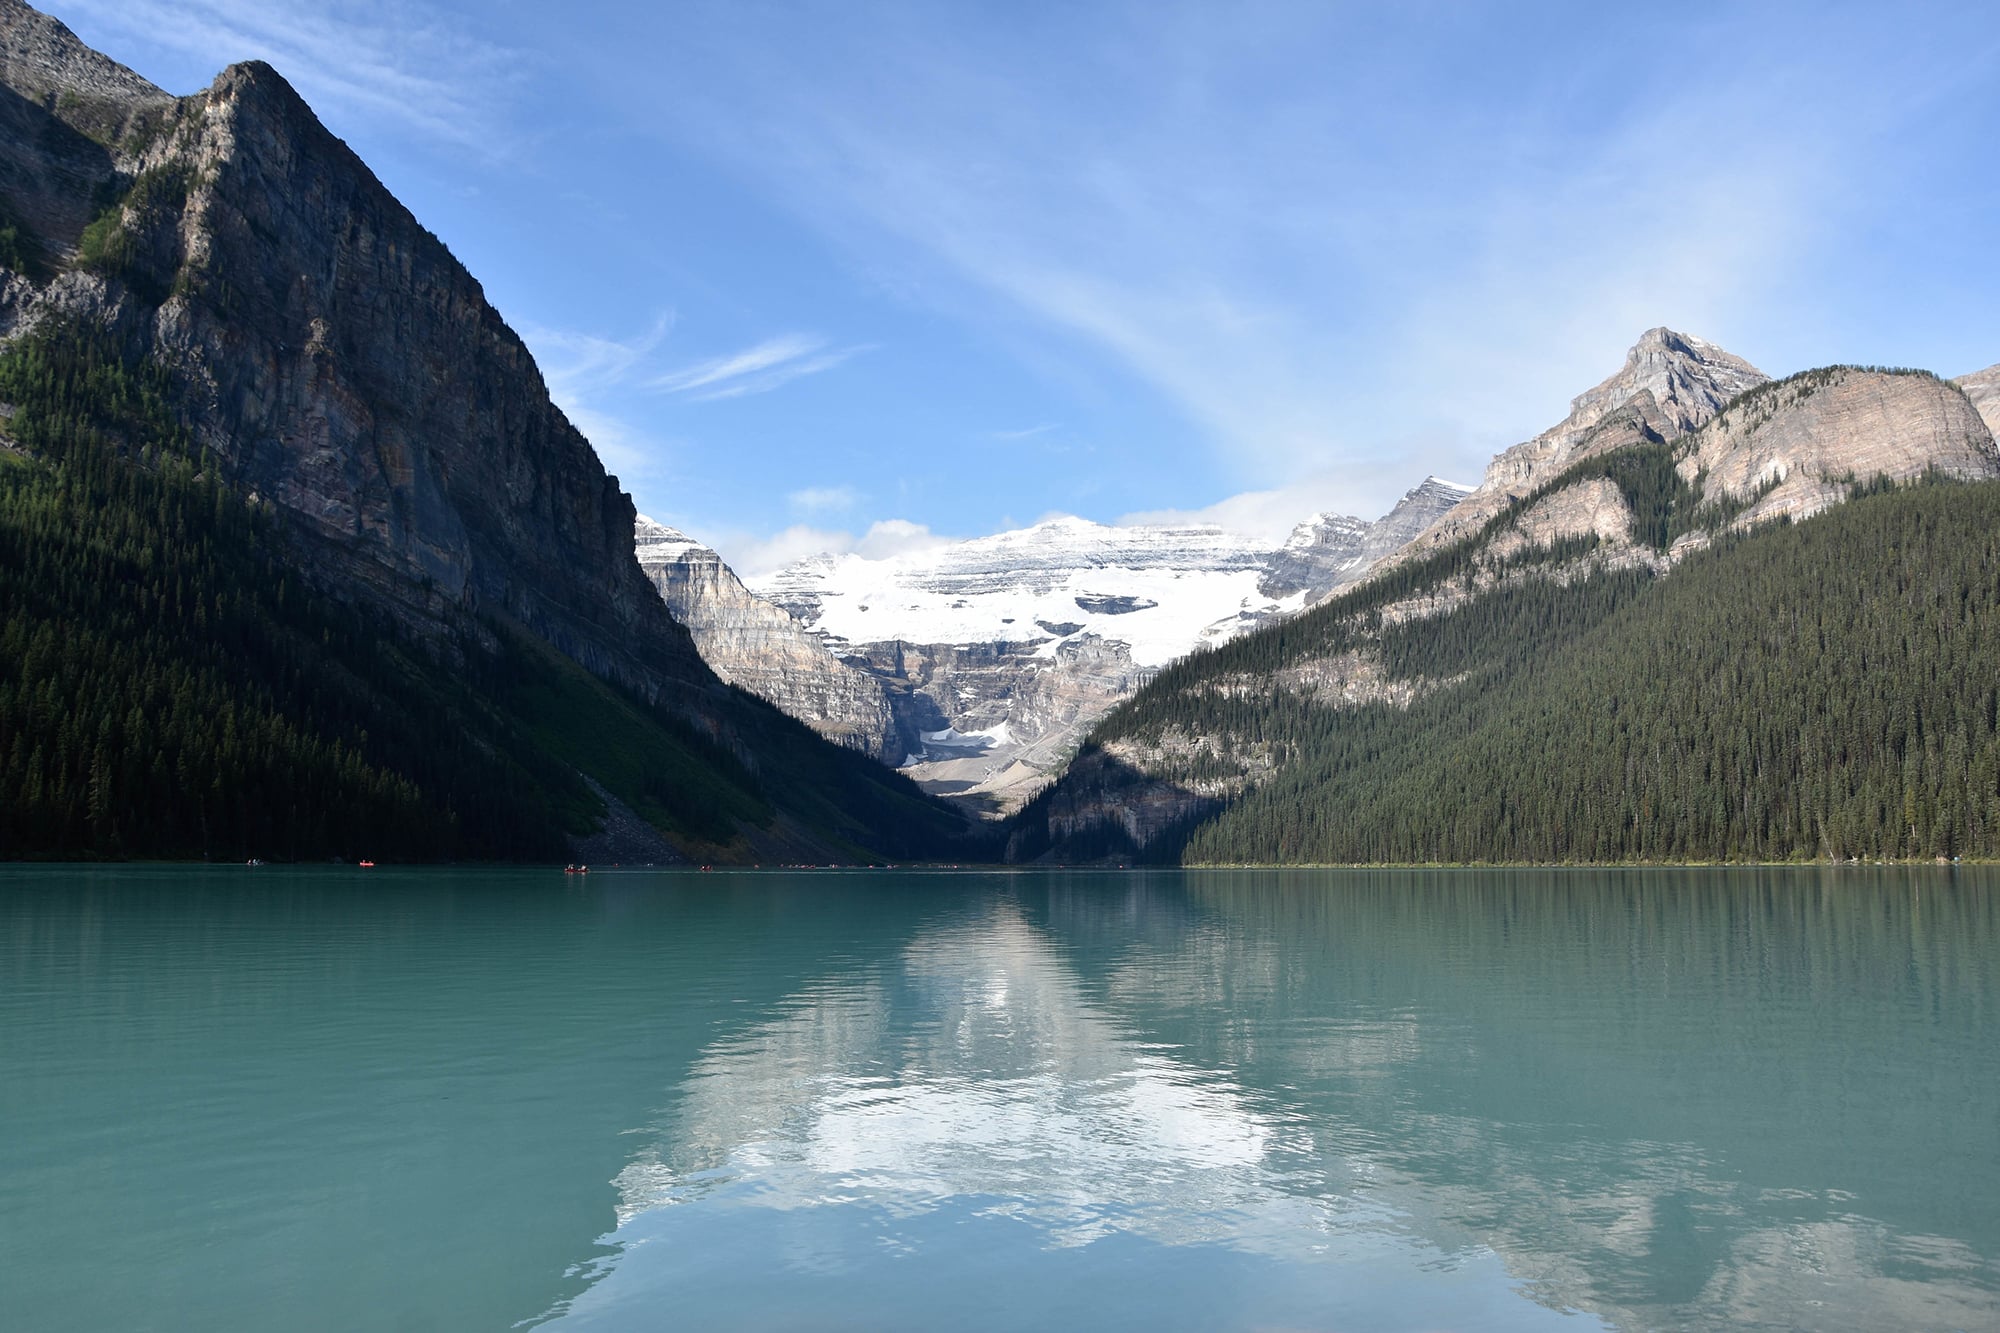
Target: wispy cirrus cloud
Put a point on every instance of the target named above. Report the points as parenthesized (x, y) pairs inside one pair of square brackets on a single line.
[(404, 61), (611, 387), (1318, 231), (589, 375), (768, 365), (576, 363)]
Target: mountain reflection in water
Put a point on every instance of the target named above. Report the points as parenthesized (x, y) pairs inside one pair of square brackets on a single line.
[(1760, 1098), (316, 1098)]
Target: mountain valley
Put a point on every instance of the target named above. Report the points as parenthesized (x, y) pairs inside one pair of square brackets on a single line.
[(301, 559), (991, 658)]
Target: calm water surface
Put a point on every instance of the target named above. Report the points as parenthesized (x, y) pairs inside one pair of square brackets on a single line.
[(336, 1099)]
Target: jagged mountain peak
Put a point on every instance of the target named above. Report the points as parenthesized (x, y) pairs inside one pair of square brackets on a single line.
[(1432, 488), (1688, 378), (1323, 528), (1671, 383), (1432, 496), (1329, 551)]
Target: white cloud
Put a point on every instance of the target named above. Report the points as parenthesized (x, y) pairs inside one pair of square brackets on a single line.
[(406, 62), (1365, 490), (752, 555), (823, 499), (759, 369), (897, 536)]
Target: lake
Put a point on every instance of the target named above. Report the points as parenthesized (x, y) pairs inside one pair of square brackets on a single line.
[(236, 1098)]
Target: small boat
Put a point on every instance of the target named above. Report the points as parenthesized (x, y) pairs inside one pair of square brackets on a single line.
[(576, 870), (367, 865)]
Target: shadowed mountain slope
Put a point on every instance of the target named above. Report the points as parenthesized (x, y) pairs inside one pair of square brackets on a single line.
[(319, 360)]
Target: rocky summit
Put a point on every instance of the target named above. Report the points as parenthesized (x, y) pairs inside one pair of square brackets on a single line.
[(338, 360), (1328, 552), (1670, 383)]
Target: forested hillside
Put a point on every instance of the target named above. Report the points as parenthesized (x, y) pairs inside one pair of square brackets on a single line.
[(171, 686), (1824, 689)]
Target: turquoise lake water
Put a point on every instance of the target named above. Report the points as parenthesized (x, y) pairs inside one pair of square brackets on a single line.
[(341, 1099)]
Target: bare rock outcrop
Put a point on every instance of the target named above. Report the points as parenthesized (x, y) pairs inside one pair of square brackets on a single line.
[(64, 109), (1796, 445), (1983, 388), (759, 646), (988, 724), (1670, 383), (1594, 508)]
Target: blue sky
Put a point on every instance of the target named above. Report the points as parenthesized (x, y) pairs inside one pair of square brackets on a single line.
[(814, 276)]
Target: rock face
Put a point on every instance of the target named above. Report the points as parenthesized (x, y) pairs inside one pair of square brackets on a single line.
[(62, 108), (1594, 508), (337, 359), (1798, 444), (336, 362), (1328, 552), (986, 723), (1983, 388), (1670, 383), (759, 646)]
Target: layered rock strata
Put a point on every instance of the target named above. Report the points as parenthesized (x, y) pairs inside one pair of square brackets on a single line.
[(761, 647), (1800, 444)]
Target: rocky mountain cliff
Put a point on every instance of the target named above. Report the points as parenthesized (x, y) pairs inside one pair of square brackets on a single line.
[(1794, 447), (332, 360), (333, 355), (1670, 383), (761, 647)]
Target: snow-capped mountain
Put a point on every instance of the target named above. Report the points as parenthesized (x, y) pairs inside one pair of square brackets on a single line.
[(1160, 591), (978, 665)]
